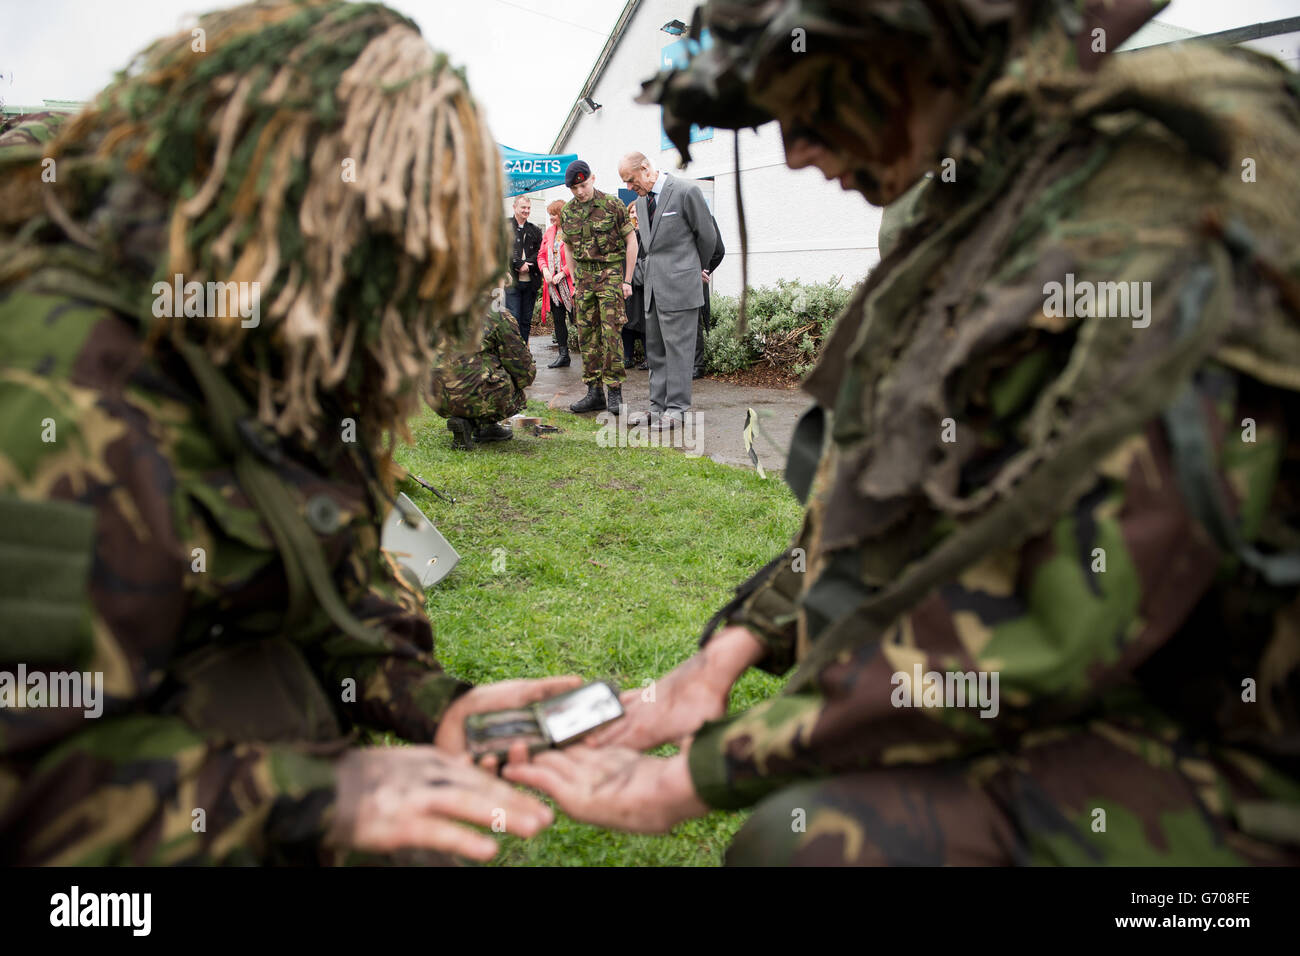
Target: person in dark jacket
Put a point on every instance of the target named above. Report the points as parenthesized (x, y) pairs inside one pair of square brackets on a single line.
[(706, 316), (521, 296), (634, 331)]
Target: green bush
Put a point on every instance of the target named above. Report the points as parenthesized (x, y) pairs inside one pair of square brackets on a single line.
[(788, 323)]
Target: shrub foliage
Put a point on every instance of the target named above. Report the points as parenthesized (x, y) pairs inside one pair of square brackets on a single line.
[(788, 323)]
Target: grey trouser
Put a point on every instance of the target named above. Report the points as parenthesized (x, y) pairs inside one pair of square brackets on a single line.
[(670, 353)]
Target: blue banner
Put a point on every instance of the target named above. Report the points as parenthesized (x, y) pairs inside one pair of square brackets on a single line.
[(529, 172), (677, 55)]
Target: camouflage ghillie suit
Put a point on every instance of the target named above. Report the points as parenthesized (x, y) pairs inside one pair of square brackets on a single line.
[(190, 505), (1102, 510), (489, 385), (596, 232)]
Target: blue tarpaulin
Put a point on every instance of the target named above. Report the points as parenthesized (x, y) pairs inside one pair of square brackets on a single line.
[(529, 172)]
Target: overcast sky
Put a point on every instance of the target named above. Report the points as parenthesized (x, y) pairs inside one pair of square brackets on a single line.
[(69, 49)]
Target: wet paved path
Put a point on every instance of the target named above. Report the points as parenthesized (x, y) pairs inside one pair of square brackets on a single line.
[(720, 405)]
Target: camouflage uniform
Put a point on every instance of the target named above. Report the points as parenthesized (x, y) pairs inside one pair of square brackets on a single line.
[(30, 129), (1104, 513), (182, 507), (489, 385), (596, 232)]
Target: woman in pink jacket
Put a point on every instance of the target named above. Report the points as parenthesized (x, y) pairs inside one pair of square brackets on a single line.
[(557, 284)]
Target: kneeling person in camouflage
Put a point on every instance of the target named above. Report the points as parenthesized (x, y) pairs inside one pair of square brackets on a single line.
[(191, 493), (601, 242), (476, 392)]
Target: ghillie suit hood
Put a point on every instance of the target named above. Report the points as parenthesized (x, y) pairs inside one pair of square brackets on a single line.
[(319, 149)]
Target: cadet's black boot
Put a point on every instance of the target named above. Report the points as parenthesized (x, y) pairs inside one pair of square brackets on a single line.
[(594, 400), (615, 403), (493, 431), (460, 429), (563, 360)]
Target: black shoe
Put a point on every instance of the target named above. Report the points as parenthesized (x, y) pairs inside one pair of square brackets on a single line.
[(493, 431), (593, 401), (461, 436), (643, 367), (615, 402), (562, 361), (698, 373)]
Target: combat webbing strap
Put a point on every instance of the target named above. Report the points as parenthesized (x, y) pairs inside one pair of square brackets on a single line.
[(1010, 521), (805, 452), (300, 551), (772, 606), (1193, 454)]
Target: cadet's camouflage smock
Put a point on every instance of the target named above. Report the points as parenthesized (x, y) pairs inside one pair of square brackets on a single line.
[(596, 232)]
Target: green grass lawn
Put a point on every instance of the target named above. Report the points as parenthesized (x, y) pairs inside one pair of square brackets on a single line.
[(604, 562)]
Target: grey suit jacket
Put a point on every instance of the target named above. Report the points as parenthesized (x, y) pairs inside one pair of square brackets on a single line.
[(678, 245)]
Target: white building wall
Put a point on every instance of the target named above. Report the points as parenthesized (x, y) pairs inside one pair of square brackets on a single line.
[(1285, 47), (799, 225)]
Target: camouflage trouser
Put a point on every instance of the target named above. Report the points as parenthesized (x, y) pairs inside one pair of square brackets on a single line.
[(1087, 797), (599, 318), (492, 399)]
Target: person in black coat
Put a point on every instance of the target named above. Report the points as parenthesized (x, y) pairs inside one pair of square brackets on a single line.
[(634, 330), (521, 295), (706, 316)]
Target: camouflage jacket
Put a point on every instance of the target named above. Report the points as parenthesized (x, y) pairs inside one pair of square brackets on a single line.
[(132, 554), (30, 129), (994, 484), (596, 233), (487, 383)]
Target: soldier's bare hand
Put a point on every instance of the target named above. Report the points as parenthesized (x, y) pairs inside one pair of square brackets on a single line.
[(505, 695), (393, 798), (674, 706), (611, 787)]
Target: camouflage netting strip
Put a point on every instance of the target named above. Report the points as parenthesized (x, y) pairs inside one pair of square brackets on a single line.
[(391, 259)]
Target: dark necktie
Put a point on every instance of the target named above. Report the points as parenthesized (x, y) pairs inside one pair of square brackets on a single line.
[(650, 208)]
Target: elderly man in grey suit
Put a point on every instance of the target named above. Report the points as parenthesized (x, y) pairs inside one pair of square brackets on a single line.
[(678, 232)]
